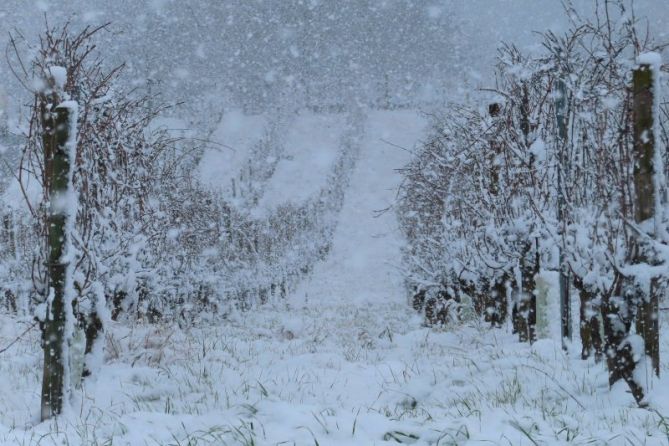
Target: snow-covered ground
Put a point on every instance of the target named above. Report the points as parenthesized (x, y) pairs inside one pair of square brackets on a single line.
[(342, 361)]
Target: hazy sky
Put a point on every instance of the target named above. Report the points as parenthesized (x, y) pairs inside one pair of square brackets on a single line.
[(247, 48)]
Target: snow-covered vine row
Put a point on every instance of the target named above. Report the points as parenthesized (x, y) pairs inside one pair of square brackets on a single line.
[(548, 176)]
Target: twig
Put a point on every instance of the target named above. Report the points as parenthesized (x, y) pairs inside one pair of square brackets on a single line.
[(19, 337), (397, 146)]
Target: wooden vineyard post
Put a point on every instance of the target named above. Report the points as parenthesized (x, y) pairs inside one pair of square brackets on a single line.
[(56, 134), (647, 325), (562, 135)]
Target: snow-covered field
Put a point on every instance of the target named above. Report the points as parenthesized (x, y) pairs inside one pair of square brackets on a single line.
[(341, 361)]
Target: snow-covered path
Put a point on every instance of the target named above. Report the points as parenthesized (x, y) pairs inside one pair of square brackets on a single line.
[(361, 269)]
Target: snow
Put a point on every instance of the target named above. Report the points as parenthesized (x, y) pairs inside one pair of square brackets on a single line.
[(538, 149), (659, 181), (69, 255), (548, 304), (651, 58), (59, 76)]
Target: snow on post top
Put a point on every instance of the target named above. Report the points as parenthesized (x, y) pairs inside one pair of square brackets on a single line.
[(651, 58), (70, 105), (59, 76)]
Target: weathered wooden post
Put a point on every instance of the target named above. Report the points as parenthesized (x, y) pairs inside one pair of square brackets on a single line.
[(56, 135), (644, 170), (617, 311), (561, 117)]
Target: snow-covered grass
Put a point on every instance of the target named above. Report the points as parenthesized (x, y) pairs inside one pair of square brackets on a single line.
[(341, 361), (329, 375)]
